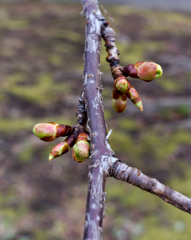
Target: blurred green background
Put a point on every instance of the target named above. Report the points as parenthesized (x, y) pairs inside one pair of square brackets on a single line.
[(41, 66)]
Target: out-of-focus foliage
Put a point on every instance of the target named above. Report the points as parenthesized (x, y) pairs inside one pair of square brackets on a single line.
[(41, 65)]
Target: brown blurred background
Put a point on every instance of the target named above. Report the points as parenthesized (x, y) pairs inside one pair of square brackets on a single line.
[(41, 66)]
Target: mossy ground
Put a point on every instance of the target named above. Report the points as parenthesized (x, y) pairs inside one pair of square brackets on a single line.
[(41, 65)]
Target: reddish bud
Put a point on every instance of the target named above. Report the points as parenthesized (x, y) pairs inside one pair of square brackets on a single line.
[(81, 148), (122, 84), (146, 71), (63, 147), (119, 100), (134, 97), (59, 150), (50, 131), (81, 151)]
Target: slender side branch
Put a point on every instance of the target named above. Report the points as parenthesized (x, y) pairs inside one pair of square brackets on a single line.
[(108, 35), (123, 172), (122, 89)]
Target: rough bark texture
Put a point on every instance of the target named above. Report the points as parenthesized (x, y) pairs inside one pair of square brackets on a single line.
[(96, 123)]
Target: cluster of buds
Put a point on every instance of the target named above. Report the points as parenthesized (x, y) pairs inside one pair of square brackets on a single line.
[(79, 139), (123, 89)]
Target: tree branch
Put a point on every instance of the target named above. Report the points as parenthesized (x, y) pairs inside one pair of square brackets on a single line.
[(90, 115), (103, 163), (123, 172), (96, 123)]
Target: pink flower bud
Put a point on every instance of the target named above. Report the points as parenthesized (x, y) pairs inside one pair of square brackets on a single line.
[(59, 150), (122, 84), (146, 71), (63, 147), (119, 100), (50, 131), (134, 97), (81, 149)]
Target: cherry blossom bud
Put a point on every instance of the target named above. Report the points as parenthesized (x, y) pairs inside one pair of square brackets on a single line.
[(59, 150), (50, 131), (63, 147), (119, 100), (146, 71), (134, 97), (122, 84), (81, 149)]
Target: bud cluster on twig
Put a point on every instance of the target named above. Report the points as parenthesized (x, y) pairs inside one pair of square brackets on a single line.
[(76, 138), (123, 89)]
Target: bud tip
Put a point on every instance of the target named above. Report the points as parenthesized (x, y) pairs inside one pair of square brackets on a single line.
[(159, 71), (122, 84), (139, 105), (34, 131), (51, 157)]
